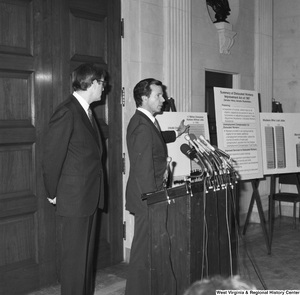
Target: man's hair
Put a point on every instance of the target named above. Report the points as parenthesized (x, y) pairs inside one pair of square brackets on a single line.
[(209, 286), (84, 75), (143, 88)]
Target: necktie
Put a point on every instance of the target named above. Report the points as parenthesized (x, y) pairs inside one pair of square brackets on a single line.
[(157, 125), (89, 111)]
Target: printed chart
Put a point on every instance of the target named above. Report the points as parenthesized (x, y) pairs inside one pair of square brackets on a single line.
[(238, 129), (181, 166), (280, 135)]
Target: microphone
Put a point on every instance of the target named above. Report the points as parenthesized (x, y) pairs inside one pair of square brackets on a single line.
[(192, 155), (212, 160), (166, 174), (217, 163), (206, 143), (202, 152), (203, 148), (210, 151), (190, 141), (222, 153)]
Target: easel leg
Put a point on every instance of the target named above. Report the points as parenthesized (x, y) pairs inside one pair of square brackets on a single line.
[(248, 214), (271, 209), (256, 197)]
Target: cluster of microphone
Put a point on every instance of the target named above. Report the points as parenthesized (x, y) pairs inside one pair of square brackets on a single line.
[(216, 166)]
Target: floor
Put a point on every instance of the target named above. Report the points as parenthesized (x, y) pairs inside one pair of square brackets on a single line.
[(276, 271), (109, 281)]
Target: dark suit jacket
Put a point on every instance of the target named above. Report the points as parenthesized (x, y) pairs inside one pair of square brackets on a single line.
[(148, 158), (72, 166)]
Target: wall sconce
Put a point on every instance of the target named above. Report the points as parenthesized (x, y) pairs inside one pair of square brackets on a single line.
[(226, 34)]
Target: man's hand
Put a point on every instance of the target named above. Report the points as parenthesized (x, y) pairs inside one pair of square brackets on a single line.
[(52, 201), (183, 128)]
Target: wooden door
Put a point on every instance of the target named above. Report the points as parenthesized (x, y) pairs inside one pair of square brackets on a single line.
[(41, 42)]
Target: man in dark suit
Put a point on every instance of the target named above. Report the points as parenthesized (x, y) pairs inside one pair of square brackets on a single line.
[(148, 158), (73, 177)]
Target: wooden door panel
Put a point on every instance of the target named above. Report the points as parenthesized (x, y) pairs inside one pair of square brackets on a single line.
[(88, 31), (16, 104), (16, 29), (18, 201), (88, 36)]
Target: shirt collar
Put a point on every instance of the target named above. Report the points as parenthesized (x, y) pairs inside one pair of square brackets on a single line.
[(82, 101), (147, 113)]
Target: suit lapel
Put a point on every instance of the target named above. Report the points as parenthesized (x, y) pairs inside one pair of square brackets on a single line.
[(83, 116), (152, 126)]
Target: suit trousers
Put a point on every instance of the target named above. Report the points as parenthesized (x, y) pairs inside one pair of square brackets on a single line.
[(138, 276), (77, 254)]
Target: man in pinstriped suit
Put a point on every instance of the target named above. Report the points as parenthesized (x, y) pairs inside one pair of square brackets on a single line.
[(73, 177)]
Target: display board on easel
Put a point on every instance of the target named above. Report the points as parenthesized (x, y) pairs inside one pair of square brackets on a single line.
[(238, 133), (280, 135), (238, 129), (198, 123)]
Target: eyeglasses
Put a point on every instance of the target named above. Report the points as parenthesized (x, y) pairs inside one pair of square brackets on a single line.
[(104, 83)]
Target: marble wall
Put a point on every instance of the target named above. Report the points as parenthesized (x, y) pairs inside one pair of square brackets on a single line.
[(286, 44), (286, 63)]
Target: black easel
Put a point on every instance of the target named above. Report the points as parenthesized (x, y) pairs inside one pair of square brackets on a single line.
[(276, 108), (271, 207), (169, 105), (256, 197)]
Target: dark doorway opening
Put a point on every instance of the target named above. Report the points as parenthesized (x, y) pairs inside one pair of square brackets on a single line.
[(214, 79)]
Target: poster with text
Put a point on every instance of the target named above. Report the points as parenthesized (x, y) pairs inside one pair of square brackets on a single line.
[(181, 166), (280, 137), (238, 130)]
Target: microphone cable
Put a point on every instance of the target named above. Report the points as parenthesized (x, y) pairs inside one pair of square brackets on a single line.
[(204, 236), (228, 231), (170, 248)]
